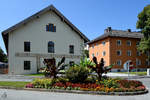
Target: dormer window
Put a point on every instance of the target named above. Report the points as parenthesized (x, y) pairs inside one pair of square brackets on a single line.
[(50, 28)]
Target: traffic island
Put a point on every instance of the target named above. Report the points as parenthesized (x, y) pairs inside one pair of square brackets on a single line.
[(105, 87)]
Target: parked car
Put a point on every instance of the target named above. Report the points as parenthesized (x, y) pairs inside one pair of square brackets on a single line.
[(3, 68)]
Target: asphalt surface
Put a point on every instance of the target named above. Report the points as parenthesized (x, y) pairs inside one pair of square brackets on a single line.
[(35, 95), (5, 77)]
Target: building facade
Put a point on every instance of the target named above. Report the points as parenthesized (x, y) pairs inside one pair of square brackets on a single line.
[(119, 48), (46, 34)]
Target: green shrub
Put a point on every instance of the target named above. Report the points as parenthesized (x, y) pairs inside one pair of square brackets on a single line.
[(42, 83), (62, 80), (77, 74), (85, 62), (110, 83), (91, 80)]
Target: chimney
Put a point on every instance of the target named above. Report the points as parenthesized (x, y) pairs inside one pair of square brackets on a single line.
[(109, 29), (129, 30)]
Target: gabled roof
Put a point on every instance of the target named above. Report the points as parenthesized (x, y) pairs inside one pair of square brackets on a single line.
[(49, 8), (118, 33)]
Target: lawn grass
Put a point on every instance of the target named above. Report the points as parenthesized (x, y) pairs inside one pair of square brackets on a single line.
[(13, 84), (138, 73), (39, 74)]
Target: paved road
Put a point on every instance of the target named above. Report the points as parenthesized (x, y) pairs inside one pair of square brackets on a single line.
[(34, 95)]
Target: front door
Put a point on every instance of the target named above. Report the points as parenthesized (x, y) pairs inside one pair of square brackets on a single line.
[(126, 65)]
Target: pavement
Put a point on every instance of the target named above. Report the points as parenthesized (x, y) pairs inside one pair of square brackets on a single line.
[(118, 74), (6, 77)]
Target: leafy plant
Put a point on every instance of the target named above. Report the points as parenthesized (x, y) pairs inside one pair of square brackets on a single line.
[(99, 67), (91, 79), (84, 62), (130, 83), (42, 83), (110, 83), (51, 69), (77, 74), (62, 80)]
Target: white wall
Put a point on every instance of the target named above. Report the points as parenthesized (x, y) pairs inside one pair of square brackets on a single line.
[(35, 32)]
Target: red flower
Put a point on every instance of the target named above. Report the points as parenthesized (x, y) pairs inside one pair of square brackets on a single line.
[(30, 85)]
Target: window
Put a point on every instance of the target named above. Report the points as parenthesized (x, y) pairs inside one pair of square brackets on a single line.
[(71, 63), (96, 44), (138, 53), (128, 43), (129, 53), (147, 63), (138, 62), (103, 43), (118, 42), (104, 62), (147, 53), (27, 65), (71, 49), (137, 43), (93, 55), (50, 28), (51, 48), (119, 63), (93, 46), (97, 53), (103, 53), (119, 52), (26, 46)]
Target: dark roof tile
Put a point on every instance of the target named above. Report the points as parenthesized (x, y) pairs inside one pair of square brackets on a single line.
[(118, 33)]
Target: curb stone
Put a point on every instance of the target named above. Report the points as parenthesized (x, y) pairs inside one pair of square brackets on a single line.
[(80, 92)]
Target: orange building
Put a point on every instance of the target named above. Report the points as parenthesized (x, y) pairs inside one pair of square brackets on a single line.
[(119, 48)]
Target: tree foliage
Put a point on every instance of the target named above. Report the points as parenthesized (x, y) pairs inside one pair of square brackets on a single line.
[(3, 56), (143, 23)]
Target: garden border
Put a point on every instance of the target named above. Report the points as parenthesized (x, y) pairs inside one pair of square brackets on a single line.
[(79, 91)]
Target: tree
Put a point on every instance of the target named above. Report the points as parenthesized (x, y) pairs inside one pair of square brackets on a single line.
[(3, 56), (143, 23)]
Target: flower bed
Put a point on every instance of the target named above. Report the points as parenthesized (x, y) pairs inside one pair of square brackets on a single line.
[(106, 85)]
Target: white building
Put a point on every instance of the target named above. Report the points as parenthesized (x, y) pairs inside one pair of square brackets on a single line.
[(46, 34)]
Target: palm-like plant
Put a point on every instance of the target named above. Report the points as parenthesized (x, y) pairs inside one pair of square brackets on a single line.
[(51, 69), (99, 67), (85, 62)]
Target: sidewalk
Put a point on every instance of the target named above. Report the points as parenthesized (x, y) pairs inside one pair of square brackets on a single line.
[(131, 76), (5, 77)]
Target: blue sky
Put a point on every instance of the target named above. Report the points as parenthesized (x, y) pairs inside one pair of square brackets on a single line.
[(90, 16)]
